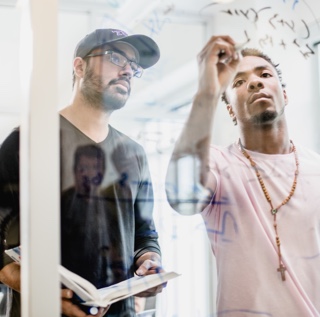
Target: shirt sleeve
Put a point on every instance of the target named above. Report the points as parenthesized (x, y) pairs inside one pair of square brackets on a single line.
[(146, 236)]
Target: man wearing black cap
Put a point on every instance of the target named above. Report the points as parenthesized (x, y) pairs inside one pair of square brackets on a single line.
[(106, 234)]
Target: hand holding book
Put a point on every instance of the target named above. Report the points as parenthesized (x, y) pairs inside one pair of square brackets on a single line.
[(70, 305), (150, 263), (89, 295)]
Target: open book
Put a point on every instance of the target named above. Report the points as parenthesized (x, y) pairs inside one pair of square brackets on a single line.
[(103, 297), (89, 295)]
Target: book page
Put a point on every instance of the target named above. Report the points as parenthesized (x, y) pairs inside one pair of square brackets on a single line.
[(131, 287), (83, 288)]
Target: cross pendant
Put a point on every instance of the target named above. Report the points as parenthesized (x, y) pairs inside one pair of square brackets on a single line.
[(282, 270)]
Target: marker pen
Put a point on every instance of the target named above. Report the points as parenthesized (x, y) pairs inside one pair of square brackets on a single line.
[(238, 47)]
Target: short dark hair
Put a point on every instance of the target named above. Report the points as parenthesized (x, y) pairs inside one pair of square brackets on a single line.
[(255, 52)]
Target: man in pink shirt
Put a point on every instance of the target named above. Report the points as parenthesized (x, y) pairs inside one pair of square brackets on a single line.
[(259, 196)]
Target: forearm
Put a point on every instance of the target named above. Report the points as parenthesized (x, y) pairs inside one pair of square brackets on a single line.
[(10, 276), (195, 137), (149, 263), (188, 176), (190, 188)]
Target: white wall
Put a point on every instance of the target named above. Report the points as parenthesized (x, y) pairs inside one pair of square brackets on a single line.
[(9, 79)]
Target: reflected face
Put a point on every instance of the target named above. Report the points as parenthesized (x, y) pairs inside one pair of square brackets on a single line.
[(88, 174), (106, 85), (256, 94)]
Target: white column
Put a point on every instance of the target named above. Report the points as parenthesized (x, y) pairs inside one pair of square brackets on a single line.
[(39, 153)]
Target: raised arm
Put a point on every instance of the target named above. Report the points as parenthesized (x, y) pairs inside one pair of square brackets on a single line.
[(189, 183)]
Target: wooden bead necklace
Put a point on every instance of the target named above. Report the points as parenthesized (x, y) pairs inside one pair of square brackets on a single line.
[(273, 210)]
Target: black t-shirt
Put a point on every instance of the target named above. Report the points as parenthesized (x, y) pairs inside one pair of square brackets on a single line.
[(106, 205)]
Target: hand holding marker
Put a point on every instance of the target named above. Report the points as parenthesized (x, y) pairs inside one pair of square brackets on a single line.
[(238, 47)]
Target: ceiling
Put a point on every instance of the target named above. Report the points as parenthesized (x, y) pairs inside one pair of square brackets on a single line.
[(181, 28)]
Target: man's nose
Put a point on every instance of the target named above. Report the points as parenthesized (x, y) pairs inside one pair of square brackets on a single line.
[(127, 71), (255, 84)]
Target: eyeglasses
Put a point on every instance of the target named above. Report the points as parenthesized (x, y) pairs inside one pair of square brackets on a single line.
[(121, 61)]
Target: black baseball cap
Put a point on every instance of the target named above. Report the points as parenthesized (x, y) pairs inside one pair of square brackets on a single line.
[(147, 48)]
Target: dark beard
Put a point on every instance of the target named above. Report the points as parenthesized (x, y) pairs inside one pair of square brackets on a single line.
[(91, 91), (265, 117)]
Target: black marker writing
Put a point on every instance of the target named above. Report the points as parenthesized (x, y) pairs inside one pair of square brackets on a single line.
[(250, 14), (278, 23), (308, 53)]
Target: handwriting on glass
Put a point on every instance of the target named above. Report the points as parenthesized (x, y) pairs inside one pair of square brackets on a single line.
[(155, 24), (277, 24)]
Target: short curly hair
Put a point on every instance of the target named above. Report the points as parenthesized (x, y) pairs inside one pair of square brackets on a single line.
[(255, 52)]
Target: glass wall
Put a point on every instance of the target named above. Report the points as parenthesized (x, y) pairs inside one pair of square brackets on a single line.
[(153, 116)]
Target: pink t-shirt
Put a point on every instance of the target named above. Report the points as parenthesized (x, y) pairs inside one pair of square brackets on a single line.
[(240, 228)]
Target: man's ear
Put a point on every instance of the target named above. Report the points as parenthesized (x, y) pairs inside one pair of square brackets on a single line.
[(230, 110), (78, 67), (232, 114)]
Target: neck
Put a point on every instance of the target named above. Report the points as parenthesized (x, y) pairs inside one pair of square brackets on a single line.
[(89, 120), (268, 141)]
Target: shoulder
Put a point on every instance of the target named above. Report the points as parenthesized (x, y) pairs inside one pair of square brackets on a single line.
[(11, 143), (309, 160), (224, 152), (12, 138), (9, 158), (66, 125)]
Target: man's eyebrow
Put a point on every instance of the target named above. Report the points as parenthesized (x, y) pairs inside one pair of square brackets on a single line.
[(256, 69)]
